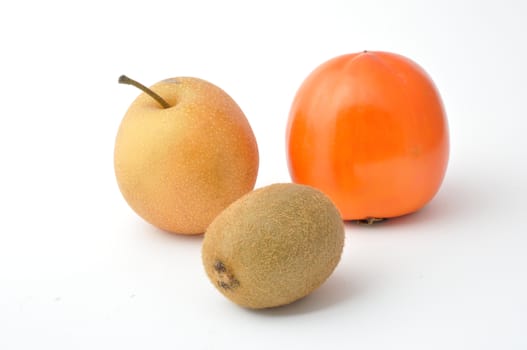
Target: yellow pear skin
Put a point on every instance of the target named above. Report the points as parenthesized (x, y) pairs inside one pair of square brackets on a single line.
[(178, 167), (273, 246)]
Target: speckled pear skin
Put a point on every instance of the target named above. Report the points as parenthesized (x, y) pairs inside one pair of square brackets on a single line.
[(273, 246), (181, 166)]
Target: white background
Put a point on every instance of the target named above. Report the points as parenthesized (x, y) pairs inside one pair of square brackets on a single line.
[(79, 270)]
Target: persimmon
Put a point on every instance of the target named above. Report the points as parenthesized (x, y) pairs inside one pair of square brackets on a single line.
[(369, 129)]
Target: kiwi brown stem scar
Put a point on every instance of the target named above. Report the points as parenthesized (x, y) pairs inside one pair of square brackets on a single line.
[(123, 79), (225, 280), (219, 267)]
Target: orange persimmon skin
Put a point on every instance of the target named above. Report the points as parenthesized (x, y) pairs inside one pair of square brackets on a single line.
[(369, 130)]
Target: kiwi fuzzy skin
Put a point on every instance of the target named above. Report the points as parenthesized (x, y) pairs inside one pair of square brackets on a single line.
[(274, 245)]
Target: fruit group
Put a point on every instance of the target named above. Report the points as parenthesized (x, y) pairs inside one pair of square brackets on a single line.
[(274, 245), (180, 166), (369, 130)]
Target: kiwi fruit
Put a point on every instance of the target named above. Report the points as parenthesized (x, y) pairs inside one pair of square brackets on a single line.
[(273, 245)]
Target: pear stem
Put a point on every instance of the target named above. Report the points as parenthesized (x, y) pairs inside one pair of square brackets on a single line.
[(123, 79)]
